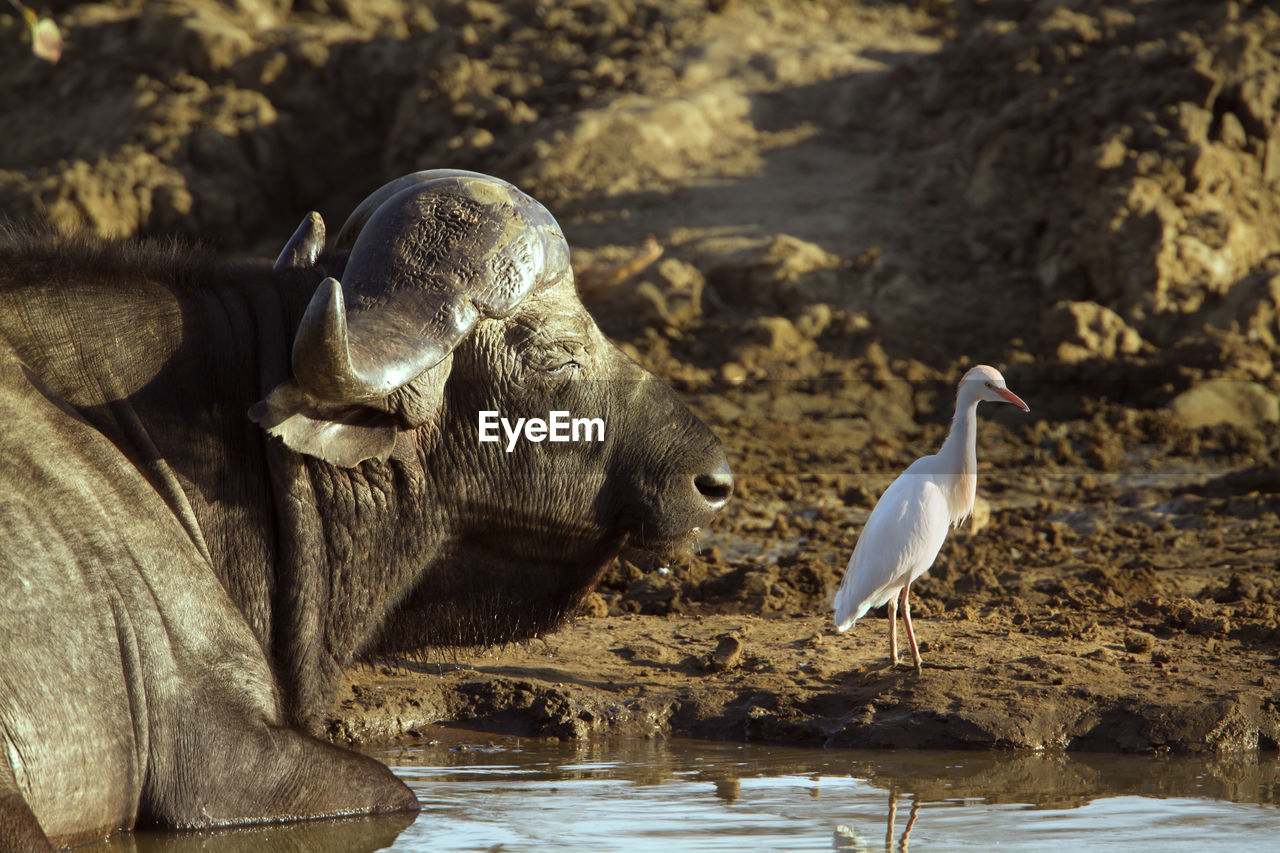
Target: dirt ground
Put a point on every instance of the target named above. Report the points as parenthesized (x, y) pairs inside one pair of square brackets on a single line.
[(842, 205)]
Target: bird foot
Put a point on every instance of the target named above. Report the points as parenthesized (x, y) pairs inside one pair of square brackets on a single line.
[(898, 666), (889, 667)]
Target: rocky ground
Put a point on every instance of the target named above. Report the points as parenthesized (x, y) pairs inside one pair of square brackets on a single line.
[(810, 218)]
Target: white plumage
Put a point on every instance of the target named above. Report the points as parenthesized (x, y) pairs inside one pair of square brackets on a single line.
[(898, 544), (909, 523)]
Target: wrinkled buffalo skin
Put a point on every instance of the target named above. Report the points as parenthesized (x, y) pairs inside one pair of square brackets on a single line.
[(179, 591)]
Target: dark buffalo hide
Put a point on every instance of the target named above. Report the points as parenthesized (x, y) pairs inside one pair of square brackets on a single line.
[(181, 584)]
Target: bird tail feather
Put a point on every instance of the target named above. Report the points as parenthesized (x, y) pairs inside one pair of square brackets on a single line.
[(849, 611)]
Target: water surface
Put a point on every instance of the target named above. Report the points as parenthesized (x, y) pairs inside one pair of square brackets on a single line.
[(638, 796)]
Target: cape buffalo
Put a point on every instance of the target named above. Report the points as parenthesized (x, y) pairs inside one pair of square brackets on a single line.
[(225, 481)]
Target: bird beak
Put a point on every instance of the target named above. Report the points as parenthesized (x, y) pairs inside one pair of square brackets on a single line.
[(1011, 397)]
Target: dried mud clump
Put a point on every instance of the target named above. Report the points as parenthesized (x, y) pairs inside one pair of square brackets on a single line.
[(218, 120), (1122, 157)]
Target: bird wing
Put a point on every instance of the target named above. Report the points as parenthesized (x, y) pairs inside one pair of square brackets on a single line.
[(899, 543)]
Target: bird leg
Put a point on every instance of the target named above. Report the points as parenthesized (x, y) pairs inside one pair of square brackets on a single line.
[(893, 630), (893, 804), (911, 632), (911, 821)]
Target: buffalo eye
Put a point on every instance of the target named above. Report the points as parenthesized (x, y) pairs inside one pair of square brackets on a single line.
[(557, 360), (555, 366), (561, 369)]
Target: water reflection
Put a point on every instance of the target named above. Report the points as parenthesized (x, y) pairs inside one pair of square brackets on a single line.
[(656, 795), (727, 789), (845, 838), (1072, 780), (893, 816), (350, 835), (636, 796), (1039, 779)]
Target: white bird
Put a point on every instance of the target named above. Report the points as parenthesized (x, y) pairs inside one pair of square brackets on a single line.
[(909, 523)]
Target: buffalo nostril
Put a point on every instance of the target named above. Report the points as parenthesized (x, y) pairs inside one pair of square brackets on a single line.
[(715, 486)]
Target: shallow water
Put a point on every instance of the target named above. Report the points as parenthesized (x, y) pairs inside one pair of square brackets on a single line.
[(524, 795)]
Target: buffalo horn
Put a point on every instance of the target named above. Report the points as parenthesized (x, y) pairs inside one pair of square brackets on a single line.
[(435, 255), (305, 246), (356, 221)]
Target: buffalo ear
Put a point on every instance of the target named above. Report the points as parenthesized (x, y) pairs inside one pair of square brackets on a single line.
[(341, 434)]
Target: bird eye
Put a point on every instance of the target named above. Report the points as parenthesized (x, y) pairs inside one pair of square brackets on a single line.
[(988, 384)]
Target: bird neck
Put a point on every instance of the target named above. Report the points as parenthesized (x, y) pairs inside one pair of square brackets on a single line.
[(958, 459)]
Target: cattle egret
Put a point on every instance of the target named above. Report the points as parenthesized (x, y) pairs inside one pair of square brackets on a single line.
[(906, 529)]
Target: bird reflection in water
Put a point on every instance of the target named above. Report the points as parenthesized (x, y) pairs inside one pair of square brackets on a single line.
[(846, 840), (728, 789), (893, 816)]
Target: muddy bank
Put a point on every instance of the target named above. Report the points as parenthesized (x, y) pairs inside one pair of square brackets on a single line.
[(989, 682), (1114, 594)]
